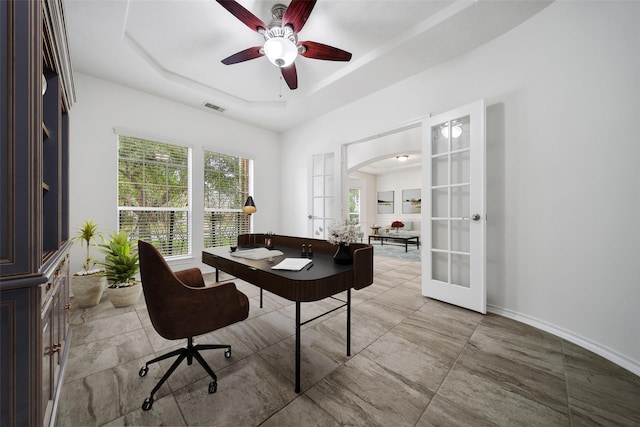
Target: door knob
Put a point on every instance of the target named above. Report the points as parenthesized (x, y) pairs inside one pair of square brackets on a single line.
[(475, 217)]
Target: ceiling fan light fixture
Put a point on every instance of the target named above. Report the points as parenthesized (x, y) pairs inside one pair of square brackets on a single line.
[(280, 51), (456, 130), (402, 158)]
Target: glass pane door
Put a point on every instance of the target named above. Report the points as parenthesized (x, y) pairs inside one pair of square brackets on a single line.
[(453, 261), (322, 194), (450, 148)]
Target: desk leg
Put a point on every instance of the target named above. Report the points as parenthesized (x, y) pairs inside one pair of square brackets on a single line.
[(349, 322), (297, 346), (406, 245), (217, 278), (260, 297)]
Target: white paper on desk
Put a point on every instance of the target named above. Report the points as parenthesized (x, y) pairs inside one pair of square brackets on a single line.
[(257, 253), (293, 264)]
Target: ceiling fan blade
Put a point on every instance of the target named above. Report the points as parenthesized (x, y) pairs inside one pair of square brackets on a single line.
[(297, 14), (322, 51), (290, 76), (246, 17), (245, 55)]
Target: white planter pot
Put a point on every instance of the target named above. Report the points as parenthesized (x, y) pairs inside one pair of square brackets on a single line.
[(87, 290), (124, 297)]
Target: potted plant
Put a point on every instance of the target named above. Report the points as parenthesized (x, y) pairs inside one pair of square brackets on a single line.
[(89, 284), (121, 266), (343, 236)]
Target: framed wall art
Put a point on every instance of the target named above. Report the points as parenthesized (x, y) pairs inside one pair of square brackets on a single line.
[(385, 202), (412, 201)]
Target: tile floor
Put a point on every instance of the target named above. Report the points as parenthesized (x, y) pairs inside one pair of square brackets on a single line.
[(415, 362)]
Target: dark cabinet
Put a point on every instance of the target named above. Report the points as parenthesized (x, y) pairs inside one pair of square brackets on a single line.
[(34, 240)]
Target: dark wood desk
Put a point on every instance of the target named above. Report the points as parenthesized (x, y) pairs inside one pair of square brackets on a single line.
[(325, 279)]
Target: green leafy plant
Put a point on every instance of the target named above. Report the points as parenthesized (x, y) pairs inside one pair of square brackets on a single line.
[(121, 261), (88, 234)]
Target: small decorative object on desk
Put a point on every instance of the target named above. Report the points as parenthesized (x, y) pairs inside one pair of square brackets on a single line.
[(343, 236), (268, 240), (397, 225)]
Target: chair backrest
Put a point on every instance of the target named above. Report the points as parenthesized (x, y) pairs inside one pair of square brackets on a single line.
[(163, 293)]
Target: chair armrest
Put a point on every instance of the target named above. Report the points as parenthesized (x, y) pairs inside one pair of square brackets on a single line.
[(191, 277)]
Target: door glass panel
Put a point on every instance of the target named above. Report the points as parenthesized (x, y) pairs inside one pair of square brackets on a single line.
[(460, 270), (460, 167), (439, 171), (460, 202), (439, 142), (328, 185), (460, 236), (319, 229), (439, 203), (461, 137), (318, 207), (318, 188), (440, 266), (440, 234), (328, 207)]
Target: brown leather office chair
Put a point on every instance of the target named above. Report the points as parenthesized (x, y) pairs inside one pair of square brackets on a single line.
[(180, 306)]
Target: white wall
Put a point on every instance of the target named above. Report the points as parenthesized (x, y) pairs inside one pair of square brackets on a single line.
[(102, 106), (562, 100), (397, 181)]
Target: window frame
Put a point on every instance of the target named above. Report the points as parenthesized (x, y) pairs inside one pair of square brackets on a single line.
[(243, 225), (187, 209)]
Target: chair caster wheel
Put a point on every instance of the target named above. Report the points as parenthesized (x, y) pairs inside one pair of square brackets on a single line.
[(213, 387), (143, 372), (148, 403), (227, 353)]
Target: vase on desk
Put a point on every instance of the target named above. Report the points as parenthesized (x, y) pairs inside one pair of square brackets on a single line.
[(343, 255)]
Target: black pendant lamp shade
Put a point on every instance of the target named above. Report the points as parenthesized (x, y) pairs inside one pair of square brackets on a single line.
[(249, 206)]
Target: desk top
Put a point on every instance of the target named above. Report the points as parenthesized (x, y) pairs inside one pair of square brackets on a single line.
[(324, 279)]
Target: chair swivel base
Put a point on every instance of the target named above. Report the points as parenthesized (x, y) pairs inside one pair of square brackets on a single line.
[(189, 352)]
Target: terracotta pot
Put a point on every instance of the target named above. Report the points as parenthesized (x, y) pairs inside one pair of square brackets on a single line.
[(124, 297), (87, 290)]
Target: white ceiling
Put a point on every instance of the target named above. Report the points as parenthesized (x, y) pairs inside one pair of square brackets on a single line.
[(173, 49), (392, 164)]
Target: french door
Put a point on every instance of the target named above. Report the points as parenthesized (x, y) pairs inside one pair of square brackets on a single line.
[(453, 220), (323, 195)]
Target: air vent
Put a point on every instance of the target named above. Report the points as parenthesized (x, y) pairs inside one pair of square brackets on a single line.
[(214, 107)]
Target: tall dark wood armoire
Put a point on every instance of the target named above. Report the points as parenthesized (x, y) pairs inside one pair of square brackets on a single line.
[(36, 92)]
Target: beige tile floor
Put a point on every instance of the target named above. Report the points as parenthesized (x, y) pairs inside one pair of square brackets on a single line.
[(415, 362)]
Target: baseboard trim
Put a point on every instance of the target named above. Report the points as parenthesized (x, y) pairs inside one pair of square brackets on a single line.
[(609, 354)]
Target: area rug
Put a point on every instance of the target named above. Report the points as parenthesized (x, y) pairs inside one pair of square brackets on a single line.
[(396, 251)]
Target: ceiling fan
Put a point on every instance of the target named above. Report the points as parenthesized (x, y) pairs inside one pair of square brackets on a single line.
[(281, 44)]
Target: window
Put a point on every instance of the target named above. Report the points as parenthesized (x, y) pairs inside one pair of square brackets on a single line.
[(354, 206), (226, 187), (153, 193)]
